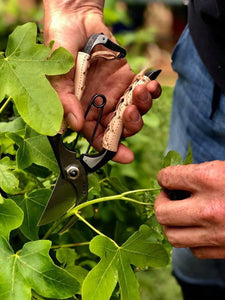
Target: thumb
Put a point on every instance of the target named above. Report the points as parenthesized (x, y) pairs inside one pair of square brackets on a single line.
[(73, 111)]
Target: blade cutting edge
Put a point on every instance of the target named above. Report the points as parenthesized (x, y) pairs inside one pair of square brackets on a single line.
[(63, 197)]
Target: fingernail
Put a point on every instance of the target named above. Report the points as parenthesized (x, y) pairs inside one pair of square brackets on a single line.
[(71, 120), (144, 97), (134, 116)]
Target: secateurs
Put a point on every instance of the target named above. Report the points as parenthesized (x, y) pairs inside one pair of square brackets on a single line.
[(71, 187)]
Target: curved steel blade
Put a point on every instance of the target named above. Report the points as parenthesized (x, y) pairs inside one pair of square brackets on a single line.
[(63, 197)]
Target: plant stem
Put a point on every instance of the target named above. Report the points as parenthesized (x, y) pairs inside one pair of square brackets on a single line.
[(75, 210), (88, 224), (53, 227), (112, 198), (5, 104), (70, 245)]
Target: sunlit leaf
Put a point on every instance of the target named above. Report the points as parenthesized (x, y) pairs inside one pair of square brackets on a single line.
[(115, 265), (23, 71)]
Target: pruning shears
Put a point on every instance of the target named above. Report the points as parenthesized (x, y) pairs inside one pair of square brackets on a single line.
[(71, 187)]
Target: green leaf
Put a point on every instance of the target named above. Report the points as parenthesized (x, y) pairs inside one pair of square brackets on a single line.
[(13, 126), (172, 158), (67, 257), (8, 181), (11, 217), (6, 144), (23, 72), (32, 268), (189, 158), (34, 148), (16, 126), (1, 199), (104, 276), (115, 265), (142, 252), (32, 205)]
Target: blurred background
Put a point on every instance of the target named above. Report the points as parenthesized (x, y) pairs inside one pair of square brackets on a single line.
[(148, 30)]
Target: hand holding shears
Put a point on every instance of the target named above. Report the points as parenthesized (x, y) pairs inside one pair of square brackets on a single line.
[(72, 184)]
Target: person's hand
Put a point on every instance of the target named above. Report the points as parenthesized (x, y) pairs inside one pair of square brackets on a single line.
[(70, 24), (197, 222)]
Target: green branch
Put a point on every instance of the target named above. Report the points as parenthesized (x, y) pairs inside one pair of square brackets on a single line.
[(75, 210), (88, 224), (113, 198)]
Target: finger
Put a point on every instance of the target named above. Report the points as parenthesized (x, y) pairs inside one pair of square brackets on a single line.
[(187, 237), (208, 252), (132, 121), (182, 177), (185, 212), (124, 155), (154, 89), (73, 112), (142, 98)]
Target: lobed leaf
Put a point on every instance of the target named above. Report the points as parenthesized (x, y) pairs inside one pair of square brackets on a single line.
[(115, 265), (32, 268), (104, 276), (23, 72), (142, 252)]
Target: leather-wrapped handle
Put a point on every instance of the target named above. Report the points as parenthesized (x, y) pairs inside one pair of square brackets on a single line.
[(114, 130), (82, 66)]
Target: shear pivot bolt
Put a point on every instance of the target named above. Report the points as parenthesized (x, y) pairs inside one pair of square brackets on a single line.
[(72, 172)]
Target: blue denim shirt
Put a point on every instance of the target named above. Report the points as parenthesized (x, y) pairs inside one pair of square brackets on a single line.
[(190, 122)]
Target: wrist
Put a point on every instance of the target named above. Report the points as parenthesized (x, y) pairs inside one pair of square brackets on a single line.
[(70, 22)]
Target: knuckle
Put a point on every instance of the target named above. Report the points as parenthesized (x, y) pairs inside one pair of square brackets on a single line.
[(206, 214), (213, 212), (209, 171)]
